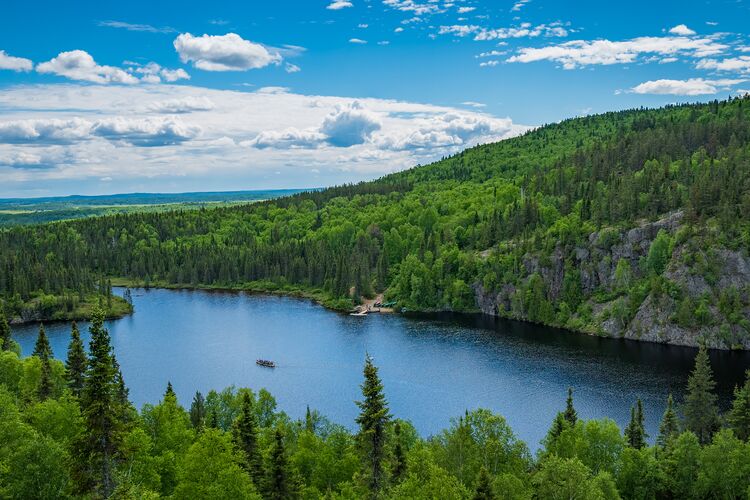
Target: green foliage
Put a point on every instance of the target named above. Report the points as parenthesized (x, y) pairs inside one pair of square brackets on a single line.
[(659, 253), (635, 431), (699, 408), (669, 427), (76, 362), (372, 421), (738, 417)]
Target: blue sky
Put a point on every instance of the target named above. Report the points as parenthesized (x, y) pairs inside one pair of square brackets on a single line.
[(106, 97)]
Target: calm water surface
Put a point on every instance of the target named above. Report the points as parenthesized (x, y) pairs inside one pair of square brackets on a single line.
[(432, 368)]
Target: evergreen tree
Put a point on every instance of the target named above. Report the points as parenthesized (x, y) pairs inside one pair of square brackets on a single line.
[(635, 432), (483, 488), (5, 335), (279, 482), (372, 421), (76, 362), (42, 349), (198, 411), (170, 390), (246, 439), (101, 411), (309, 423), (700, 410), (739, 416), (399, 457), (670, 425), (213, 419), (559, 424), (571, 415)]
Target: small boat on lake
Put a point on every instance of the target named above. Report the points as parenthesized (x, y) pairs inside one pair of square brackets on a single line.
[(360, 313), (265, 362)]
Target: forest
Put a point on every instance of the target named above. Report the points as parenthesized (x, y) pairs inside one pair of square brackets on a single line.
[(631, 223), (69, 431)]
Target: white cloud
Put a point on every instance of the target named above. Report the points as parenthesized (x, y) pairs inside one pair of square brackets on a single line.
[(682, 30), (136, 27), (412, 6), (182, 105), (79, 65), (519, 5), (398, 30), (153, 73), (136, 131), (691, 87), (582, 52), (363, 26), (358, 41), (74, 131), (523, 30), (474, 104), (464, 10), (292, 68), (339, 4), (349, 125), (228, 52), (14, 63), (741, 64), (490, 64)]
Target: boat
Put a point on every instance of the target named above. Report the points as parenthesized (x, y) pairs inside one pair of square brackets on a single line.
[(360, 313), (265, 362)]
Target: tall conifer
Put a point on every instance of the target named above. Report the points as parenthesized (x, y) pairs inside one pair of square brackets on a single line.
[(76, 362), (700, 409), (372, 421)]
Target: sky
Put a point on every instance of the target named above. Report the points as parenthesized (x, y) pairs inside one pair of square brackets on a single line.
[(102, 97)]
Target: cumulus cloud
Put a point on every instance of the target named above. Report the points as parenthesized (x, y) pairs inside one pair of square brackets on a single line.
[(519, 5), (14, 63), (290, 138), (145, 132), (182, 105), (135, 131), (154, 73), (79, 65), (338, 5), (350, 125), (464, 10), (357, 41), (228, 52), (737, 64), (682, 30), (605, 52), (691, 87)]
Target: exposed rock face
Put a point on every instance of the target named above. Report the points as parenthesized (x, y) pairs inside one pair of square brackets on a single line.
[(703, 296)]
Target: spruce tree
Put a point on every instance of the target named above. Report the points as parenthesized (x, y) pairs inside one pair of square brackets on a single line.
[(372, 421), (5, 335), (570, 414), (245, 437), (279, 483), (635, 432), (399, 457), (76, 362), (101, 411), (700, 410), (739, 416), (483, 488), (670, 425), (213, 419), (309, 423), (198, 411), (42, 349), (170, 390)]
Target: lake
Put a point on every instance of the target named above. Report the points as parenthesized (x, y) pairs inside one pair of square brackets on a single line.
[(433, 368)]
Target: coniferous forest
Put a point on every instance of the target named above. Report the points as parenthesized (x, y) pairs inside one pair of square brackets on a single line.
[(627, 224), (69, 431)]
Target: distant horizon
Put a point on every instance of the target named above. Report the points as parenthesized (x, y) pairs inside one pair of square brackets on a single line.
[(157, 193)]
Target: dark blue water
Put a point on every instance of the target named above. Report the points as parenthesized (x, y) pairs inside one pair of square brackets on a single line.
[(432, 368)]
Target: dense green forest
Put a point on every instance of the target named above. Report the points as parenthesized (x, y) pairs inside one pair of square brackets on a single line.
[(632, 223), (68, 430)]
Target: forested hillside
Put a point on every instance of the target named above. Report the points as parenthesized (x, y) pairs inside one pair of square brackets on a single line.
[(634, 223), (69, 431)]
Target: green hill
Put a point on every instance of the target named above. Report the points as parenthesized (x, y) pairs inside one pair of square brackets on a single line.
[(633, 224)]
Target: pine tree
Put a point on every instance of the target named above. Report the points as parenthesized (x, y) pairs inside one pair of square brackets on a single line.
[(42, 349), (309, 424), (372, 421), (279, 483), (5, 335), (213, 419), (739, 416), (571, 415), (670, 425), (170, 390), (483, 489), (246, 439), (198, 411), (399, 457), (700, 410), (75, 364), (635, 432), (101, 411)]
